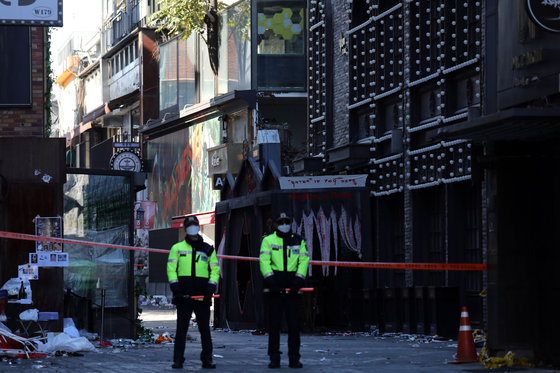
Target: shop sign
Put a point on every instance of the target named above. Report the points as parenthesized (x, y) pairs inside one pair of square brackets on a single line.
[(218, 181), (125, 160), (545, 13), (321, 182), (31, 12)]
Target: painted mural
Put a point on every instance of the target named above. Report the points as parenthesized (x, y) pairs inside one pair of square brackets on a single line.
[(178, 180)]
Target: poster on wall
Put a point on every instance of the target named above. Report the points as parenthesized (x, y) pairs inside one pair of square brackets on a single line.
[(30, 272), (48, 227), (52, 259), (144, 214)]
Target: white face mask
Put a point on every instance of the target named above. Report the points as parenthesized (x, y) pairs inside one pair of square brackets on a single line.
[(284, 228), (192, 230)]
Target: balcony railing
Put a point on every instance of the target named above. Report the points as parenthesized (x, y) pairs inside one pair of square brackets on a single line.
[(124, 22)]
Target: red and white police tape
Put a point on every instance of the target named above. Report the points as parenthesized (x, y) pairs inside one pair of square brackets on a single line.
[(378, 265)]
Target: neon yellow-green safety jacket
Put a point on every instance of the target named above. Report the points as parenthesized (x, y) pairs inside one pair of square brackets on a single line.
[(193, 272), (279, 255)]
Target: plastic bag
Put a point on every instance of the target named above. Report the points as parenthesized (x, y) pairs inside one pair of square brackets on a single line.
[(64, 342), (29, 315), (70, 328)]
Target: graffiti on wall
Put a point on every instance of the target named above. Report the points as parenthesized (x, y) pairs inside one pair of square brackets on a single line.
[(179, 181)]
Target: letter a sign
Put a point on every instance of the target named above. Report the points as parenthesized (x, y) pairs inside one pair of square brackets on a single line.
[(218, 181)]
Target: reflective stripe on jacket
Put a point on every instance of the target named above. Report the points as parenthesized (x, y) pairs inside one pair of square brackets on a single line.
[(284, 255), (179, 263)]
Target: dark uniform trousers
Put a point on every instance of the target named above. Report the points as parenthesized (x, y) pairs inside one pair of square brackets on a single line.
[(280, 304), (201, 310)]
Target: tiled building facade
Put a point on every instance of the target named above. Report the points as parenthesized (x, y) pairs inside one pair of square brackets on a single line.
[(440, 102)]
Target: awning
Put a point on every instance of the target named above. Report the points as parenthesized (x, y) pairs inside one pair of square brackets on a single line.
[(204, 218), (83, 127), (96, 113), (124, 100), (64, 78)]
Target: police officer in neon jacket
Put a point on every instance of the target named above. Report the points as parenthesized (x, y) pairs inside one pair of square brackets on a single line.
[(192, 269), (283, 263)]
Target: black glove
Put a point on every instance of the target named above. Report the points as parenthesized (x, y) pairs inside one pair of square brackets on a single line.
[(210, 290), (176, 290), (270, 282), (297, 284)]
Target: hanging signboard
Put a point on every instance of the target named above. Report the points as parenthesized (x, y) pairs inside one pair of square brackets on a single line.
[(31, 12)]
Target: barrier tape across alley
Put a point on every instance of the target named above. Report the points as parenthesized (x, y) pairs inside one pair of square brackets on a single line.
[(377, 265)]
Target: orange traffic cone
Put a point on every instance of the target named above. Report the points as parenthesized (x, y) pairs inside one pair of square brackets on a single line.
[(466, 352)]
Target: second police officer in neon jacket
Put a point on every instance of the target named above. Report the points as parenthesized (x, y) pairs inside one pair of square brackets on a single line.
[(283, 263)]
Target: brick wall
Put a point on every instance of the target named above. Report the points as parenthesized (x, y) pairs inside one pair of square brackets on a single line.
[(340, 72), (29, 121)]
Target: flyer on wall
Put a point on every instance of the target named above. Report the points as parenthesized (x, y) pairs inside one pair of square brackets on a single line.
[(52, 259), (28, 271), (48, 227)]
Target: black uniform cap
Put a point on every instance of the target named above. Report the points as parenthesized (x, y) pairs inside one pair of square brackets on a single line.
[(191, 220)]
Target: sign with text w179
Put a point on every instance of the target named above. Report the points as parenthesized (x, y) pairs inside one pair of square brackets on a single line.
[(31, 12)]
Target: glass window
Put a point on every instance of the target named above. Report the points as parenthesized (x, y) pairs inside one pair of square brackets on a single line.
[(187, 69), (281, 27), (168, 75), (97, 208), (235, 48), (206, 75), (281, 45), (15, 66)]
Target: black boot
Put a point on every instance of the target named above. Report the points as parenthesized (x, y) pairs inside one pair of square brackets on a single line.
[(295, 364), (274, 364), (178, 363), (208, 365)]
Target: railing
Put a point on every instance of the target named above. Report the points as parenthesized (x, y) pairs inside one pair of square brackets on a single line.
[(124, 22)]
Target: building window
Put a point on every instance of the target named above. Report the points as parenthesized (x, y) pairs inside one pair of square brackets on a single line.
[(15, 66), (466, 93), (177, 74), (168, 74), (362, 123), (390, 117), (281, 45)]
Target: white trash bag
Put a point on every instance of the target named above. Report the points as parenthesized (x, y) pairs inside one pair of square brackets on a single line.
[(29, 315), (64, 342), (70, 328)]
